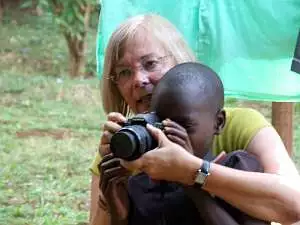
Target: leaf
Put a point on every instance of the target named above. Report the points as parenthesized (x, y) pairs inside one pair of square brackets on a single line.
[(26, 4), (70, 16), (61, 22), (79, 17)]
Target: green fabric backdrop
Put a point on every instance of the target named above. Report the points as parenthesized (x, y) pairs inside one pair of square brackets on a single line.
[(249, 43)]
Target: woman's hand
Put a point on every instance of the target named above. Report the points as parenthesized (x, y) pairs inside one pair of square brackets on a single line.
[(169, 161), (113, 185), (177, 134), (111, 126)]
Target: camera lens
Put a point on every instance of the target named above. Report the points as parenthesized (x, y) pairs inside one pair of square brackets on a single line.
[(123, 144), (131, 142)]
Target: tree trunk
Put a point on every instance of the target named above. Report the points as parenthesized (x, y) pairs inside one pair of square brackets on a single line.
[(77, 58), (77, 47), (282, 120), (77, 65), (1, 10), (36, 10)]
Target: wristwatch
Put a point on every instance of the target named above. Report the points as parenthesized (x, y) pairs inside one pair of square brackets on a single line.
[(202, 174)]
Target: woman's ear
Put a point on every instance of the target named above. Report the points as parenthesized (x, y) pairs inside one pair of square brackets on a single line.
[(220, 121)]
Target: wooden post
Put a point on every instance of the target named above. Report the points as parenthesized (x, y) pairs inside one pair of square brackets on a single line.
[(282, 120)]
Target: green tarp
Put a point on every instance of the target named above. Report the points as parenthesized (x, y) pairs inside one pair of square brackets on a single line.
[(249, 43)]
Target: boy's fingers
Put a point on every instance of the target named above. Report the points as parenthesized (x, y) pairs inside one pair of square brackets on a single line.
[(107, 157), (170, 123), (176, 132), (109, 174), (110, 164)]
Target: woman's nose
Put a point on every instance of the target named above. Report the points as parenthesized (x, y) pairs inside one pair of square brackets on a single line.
[(140, 78)]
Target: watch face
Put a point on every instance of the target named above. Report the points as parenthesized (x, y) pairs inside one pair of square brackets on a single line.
[(203, 172), (200, 178)]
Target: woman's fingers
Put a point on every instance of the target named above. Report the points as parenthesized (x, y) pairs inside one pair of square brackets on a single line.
[(105, 138), (104, 150), (111, 126), (116, 117)]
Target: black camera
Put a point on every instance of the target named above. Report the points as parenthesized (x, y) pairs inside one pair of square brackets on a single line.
[(133, 139)]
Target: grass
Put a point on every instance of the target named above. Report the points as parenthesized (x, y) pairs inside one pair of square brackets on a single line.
[(50, 126), (49, 135)]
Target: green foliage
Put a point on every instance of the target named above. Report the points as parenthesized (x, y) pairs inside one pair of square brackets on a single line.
[(73, 18), (67, 14)]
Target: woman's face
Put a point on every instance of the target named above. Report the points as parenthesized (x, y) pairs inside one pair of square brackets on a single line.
[(140, 68)]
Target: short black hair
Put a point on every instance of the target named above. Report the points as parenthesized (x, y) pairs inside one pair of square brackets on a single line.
[(192, 76)]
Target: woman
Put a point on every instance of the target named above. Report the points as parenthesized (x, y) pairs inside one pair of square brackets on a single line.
[(139, 52)]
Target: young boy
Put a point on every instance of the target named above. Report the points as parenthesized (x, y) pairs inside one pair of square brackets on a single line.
[(189, 99)]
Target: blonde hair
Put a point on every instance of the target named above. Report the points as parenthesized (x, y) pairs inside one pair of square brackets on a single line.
[(162, 30)]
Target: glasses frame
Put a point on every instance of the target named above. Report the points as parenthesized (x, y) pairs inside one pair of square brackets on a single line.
[(112, 77)]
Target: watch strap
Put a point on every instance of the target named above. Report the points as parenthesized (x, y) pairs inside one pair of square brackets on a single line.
[(202, 174), (205, 167)]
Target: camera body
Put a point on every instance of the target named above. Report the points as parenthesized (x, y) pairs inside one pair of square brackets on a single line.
[(133, 139)]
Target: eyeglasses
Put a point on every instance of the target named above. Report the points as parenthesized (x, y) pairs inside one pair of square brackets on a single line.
[(148, 64)]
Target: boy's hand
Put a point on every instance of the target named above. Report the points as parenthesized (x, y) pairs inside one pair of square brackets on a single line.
[(177, 134), (113, 186)]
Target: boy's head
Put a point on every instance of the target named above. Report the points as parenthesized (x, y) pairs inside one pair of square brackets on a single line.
[(192, 95)]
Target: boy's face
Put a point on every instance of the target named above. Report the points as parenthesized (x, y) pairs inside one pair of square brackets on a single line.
[(196, 117), (199, 127)]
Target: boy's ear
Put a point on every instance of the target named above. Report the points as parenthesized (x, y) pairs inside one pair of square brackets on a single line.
[(220, 121)]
